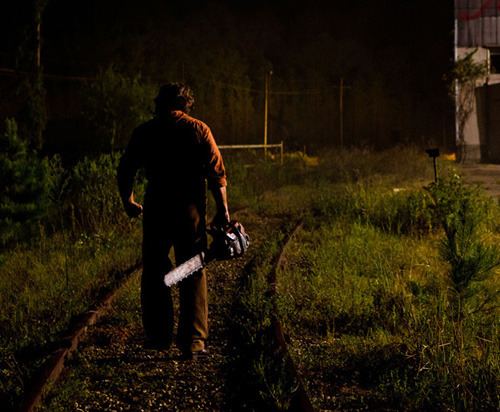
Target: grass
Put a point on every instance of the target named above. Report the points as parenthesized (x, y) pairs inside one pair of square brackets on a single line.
[(48, 282), (373, 308), (117, 327), (367, 254), (256, 369), (43, 292), (366, 294)]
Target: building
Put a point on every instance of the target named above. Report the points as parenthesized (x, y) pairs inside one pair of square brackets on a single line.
[(477, 30)]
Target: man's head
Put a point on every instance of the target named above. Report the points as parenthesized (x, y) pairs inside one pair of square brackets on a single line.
[(174, 96)]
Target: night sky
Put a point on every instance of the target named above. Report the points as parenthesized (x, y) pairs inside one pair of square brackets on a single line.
[(391, 54)]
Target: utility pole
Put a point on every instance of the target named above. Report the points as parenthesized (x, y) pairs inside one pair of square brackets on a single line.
[(455, 59), (266, 106), (39, 8), (38, 38), (341, 105)]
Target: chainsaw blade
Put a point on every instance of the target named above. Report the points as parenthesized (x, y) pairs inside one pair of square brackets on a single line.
[(185, 269)]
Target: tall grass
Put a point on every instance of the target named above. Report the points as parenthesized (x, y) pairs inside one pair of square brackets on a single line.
[(44, 284), (86, 237), (395, 295), (257, 377), (353, 293)]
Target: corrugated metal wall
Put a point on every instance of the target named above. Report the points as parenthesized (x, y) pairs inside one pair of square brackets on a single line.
[(478, 22)]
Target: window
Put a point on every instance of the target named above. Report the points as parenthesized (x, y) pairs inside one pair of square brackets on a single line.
[(495, 62)]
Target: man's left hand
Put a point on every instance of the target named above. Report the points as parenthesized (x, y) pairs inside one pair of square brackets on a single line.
[(133, 209)]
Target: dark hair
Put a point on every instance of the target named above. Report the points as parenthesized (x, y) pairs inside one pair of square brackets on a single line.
[(174, 96)]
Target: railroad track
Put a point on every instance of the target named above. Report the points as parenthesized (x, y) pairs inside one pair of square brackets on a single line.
[(187, 382), (52, 370), (301, 400)]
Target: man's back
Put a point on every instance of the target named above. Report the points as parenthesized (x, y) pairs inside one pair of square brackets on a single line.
[(177, 152)]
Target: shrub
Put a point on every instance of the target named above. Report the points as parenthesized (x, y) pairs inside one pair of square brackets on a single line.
[(405, 212), (114, 105), (22, 187), (466, 216), (93, 198)]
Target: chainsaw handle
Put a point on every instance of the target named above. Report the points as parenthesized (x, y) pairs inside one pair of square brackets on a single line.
[(229, 241), (215, 228)]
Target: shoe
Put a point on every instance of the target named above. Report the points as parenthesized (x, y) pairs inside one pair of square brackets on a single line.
[(196, 355)]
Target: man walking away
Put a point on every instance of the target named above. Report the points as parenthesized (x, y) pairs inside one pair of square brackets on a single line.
[(178, 154)]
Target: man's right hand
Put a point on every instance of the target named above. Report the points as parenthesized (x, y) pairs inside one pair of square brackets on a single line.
[(133, 209), (222, 218)]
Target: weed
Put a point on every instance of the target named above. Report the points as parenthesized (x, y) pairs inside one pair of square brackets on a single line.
[(366, 296), (257, 375), (390, 316), (48, 282)]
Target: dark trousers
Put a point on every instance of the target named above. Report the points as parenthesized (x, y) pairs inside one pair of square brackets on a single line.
[(184, 230)]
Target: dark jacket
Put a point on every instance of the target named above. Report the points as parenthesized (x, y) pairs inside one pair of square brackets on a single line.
[(177, 153)]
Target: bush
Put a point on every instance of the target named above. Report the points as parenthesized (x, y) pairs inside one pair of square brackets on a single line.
[(466, 216), (85, 199), (45, 286), (402, 212), (114, 105), (22, 187), (397, 165), (93, 199)]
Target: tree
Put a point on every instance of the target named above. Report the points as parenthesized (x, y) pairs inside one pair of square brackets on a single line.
[(33, 115), (462, 82), (114, 105), (22, 186)]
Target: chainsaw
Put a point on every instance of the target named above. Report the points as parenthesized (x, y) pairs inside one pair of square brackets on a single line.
[(229, 242)]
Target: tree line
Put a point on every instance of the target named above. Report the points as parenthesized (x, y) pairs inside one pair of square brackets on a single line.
[(392, 93)]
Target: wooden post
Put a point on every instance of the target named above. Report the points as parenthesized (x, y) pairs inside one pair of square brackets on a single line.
[(38, 42), (266, 105), (282, 153), (341, 113), (38, 68)]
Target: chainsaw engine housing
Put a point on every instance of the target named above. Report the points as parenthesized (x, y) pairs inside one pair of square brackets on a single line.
[(228, 242)]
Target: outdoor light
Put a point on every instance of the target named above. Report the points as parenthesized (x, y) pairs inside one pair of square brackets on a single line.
[(433, 153)]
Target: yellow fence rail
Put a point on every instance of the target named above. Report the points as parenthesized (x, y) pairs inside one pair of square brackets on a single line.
[(255, 146)]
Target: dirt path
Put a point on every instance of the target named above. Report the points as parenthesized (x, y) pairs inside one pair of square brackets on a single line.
[(488, 175)]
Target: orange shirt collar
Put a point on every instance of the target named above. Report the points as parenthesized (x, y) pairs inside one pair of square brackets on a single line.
[(176, 113)]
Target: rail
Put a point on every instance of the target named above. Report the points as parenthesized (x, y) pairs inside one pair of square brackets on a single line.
[(256, 146), (53, 369), (301, 397)]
